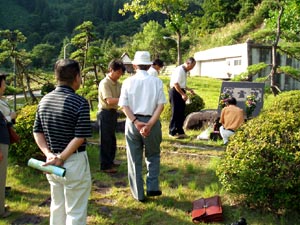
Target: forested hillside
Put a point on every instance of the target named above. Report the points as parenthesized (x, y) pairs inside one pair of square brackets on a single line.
[(35, 33), (49, 21)]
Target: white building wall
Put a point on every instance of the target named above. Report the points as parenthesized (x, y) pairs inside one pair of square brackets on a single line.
[(221, 62), (228, 61)]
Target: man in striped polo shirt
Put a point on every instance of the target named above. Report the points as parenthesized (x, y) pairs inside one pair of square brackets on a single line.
[(61, 127)]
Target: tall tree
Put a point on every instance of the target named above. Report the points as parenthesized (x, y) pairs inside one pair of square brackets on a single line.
[(217, 13), (82, 41), (175, 12), (10, 40), (150, 38), (42, 55), (282, 33)]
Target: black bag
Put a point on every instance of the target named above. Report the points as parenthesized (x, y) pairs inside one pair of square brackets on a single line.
[(13, 136)]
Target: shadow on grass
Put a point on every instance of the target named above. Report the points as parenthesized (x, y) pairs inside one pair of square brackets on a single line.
[(28, 219)]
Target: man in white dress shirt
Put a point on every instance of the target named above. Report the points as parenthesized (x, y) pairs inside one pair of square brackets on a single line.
[(156, 66), (142, 100), (178, 97)]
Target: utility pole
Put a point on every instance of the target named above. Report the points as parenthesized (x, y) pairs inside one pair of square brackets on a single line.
[(65, 48), (178, 49)]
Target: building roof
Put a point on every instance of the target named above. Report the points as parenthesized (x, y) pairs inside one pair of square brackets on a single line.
[(221, 52), (125, 58)]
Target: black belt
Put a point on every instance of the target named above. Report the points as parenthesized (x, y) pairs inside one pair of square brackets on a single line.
[(230, 130), (109, 110), (80, 149), (139, 115)]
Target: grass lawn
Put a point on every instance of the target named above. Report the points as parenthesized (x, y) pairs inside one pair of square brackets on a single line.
[(187, 173)]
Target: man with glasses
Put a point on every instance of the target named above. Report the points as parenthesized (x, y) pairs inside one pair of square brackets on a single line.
[(108, 95)]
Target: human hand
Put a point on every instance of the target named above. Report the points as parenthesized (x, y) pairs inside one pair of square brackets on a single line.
[(13, 115), (192, 91), (52, 159), (184, 97), (145, 131), (139, 125)]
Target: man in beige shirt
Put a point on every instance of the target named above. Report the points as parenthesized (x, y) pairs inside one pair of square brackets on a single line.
[(232, 117), (109, 93)]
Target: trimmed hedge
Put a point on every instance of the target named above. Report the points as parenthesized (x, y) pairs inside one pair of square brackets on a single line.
[(286, 101), (21, 152)]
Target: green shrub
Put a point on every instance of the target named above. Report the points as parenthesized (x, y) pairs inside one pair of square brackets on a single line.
[(46, 88), (196, 105), (262, 161), (21, 152), (288, 101)]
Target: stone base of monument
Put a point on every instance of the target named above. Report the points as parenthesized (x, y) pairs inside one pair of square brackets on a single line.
[(198, 120)]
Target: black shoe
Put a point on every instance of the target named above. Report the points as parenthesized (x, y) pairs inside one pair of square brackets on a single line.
[(154, 193), (110, 170), (242, 221), (142, 200)]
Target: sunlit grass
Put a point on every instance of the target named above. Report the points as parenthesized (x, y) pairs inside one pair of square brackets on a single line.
[(187, 173)]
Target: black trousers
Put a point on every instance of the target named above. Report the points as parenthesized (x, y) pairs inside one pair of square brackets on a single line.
[(107, 120), (178, 111)]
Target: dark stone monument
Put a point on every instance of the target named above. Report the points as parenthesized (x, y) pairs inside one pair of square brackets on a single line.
[(240, 90)]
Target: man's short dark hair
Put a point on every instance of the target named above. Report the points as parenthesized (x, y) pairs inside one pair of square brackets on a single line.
[(66, 70), (2, 77), (231, 101), (191, 60), (117, 64), (143, 67), (158, 62)]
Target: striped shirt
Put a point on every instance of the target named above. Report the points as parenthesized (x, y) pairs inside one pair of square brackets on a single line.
[(61, 116)]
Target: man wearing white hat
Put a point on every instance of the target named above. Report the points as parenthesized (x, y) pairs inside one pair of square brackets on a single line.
[(142, 100)]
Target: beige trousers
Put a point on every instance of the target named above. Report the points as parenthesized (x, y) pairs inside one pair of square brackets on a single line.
[(70, 194), (3, 172)]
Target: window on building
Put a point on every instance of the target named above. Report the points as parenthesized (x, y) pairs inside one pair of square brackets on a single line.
[(237, 62)]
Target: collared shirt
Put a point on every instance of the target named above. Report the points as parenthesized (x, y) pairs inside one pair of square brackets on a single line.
[(61, 116), (108, 89), (152, 71), (4, 108), (5, 112), (142, 93), (179, 76), (232, 117)]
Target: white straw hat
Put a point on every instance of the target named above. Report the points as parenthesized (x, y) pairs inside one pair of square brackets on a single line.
[(142, 58)]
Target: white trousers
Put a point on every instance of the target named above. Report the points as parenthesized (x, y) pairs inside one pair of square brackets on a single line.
[(225, 134), (69, 194)]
